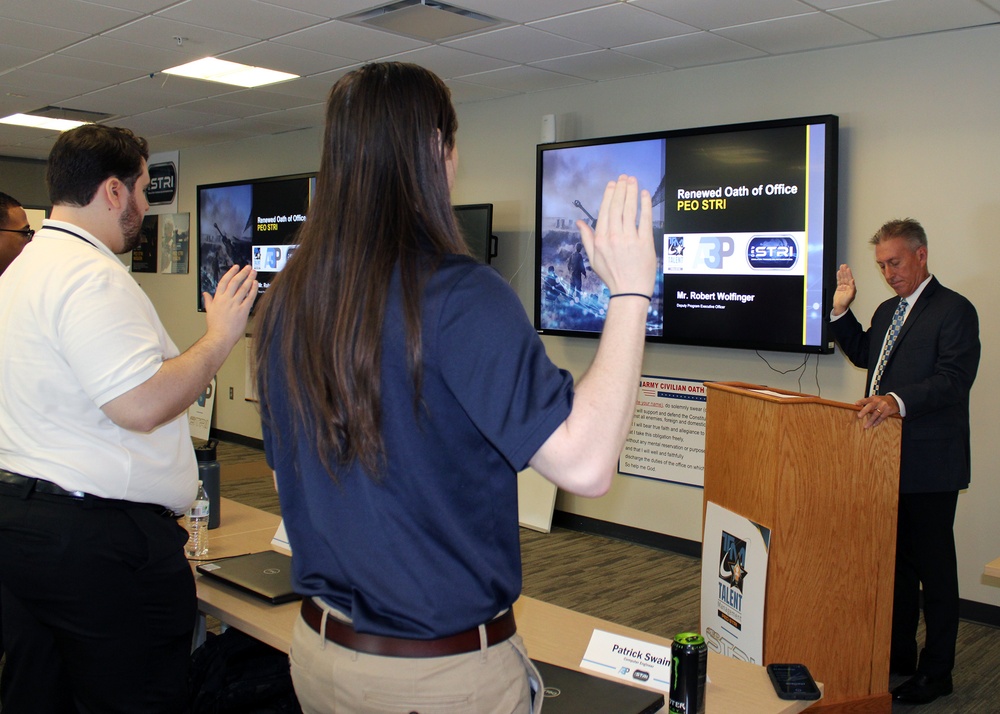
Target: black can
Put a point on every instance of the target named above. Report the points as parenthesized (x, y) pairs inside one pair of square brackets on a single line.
[(688, 667)]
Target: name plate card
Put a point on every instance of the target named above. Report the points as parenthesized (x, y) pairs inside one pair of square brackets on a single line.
[(628, 659)]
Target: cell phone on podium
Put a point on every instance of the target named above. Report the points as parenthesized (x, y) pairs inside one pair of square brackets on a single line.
[(793, 681)]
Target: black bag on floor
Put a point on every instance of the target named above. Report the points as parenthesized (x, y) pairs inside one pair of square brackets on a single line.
[(233, 673)]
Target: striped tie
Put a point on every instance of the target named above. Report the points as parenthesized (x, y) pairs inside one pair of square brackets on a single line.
[(890, 340)]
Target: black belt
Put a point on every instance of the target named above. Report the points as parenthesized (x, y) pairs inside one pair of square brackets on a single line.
[(498, 630), (28, 486)]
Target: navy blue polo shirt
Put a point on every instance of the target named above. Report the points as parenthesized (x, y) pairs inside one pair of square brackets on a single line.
[(432, 547)]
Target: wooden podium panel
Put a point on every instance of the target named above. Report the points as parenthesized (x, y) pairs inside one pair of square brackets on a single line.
[(828, 490)]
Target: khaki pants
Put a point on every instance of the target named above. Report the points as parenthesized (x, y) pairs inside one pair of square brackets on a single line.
[(330, 679)]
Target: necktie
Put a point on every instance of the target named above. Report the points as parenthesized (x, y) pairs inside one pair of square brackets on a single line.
[(890, 340)]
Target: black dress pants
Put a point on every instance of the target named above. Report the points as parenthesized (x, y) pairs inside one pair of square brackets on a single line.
[(99, 607), (925, 556)]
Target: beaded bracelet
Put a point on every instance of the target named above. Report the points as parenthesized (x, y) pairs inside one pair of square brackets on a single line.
[(648, 297)]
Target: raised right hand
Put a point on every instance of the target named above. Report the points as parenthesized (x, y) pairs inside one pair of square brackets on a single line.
[(846, 290), (623, 255)]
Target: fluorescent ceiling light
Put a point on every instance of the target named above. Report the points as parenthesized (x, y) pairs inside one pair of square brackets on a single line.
[(241, 75), (37, 122)]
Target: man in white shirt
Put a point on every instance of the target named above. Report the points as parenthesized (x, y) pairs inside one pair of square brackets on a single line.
[(95, 454)]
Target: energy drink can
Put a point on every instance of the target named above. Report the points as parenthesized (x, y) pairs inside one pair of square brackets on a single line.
[(688, 667)]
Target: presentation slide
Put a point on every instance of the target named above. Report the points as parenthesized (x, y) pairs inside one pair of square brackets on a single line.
[(738, 219), (249, 223)]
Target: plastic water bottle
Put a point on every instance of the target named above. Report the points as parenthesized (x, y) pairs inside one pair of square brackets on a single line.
[(197, 517)]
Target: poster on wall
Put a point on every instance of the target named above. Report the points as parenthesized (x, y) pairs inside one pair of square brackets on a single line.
[(144, 254), (667, 437), (163, 181), (733, 584), (175, 241)]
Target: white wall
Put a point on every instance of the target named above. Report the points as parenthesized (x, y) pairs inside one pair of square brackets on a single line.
[(920, 137)]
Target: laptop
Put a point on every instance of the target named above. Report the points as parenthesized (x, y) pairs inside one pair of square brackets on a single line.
[(568, 691), (267, 574)]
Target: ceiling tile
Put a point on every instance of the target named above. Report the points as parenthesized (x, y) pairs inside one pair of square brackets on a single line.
[(795, 34), (68, 14), (130, 54), (286, 58), (613, 26), (347, 40), (27, 80), (142, 95), (62, 65), (195, 42), (528, 10), (145, 6), (521, 44), (448, 62), (713, 14), (601, 65), (36, 37), (895, 18), (11, 57), (699, 48), (325, 8), (252, 18)]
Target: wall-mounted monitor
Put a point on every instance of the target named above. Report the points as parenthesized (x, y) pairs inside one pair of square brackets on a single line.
[(249, 222), (745, 224), (475, 221)]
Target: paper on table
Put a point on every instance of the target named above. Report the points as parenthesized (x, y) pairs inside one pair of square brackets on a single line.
[(280, 539)]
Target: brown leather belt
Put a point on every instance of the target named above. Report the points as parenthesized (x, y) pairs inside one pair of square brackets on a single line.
[(341, 633)]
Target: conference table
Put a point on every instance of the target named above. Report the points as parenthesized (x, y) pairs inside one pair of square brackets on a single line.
[(551, 634)]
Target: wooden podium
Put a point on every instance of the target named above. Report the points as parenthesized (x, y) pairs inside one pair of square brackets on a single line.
[(828, 490)]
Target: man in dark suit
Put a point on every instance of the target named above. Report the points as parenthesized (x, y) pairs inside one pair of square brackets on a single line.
[(922, 354)]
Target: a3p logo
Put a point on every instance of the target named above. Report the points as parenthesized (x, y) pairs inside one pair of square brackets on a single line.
[(772, 252), (712, 250)]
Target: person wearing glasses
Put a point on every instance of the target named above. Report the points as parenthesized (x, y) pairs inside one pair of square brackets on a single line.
[(15, 232), (96, 458)]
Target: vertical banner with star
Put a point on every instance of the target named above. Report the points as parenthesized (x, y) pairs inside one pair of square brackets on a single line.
[(733, 584)]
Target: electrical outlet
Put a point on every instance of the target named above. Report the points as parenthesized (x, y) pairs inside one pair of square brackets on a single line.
[(230, 392)]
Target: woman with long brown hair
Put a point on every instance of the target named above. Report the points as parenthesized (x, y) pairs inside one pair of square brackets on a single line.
[(402, 388)]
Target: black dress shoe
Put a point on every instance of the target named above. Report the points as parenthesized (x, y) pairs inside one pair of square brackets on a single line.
[(922, 689)]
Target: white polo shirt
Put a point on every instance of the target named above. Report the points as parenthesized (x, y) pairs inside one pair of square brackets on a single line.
[(76, 331)]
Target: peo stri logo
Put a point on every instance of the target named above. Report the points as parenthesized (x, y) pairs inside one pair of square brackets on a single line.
[(162, 184), (778, 252)]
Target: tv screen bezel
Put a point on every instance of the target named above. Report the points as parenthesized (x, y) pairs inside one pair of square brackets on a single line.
[(829, 227), (307, 176)]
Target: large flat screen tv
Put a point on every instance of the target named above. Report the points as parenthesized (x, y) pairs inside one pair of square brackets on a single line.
[(249, 222), (745, 224)]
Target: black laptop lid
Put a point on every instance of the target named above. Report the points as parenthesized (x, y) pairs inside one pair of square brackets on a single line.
[(267, 574), (568, 691)]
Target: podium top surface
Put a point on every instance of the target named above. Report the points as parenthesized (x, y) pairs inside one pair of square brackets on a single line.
[(773, 394)]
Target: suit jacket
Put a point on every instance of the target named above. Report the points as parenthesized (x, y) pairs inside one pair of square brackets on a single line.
[(932, 367)]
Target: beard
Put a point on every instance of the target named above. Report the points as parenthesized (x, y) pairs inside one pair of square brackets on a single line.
[(130, 224)]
